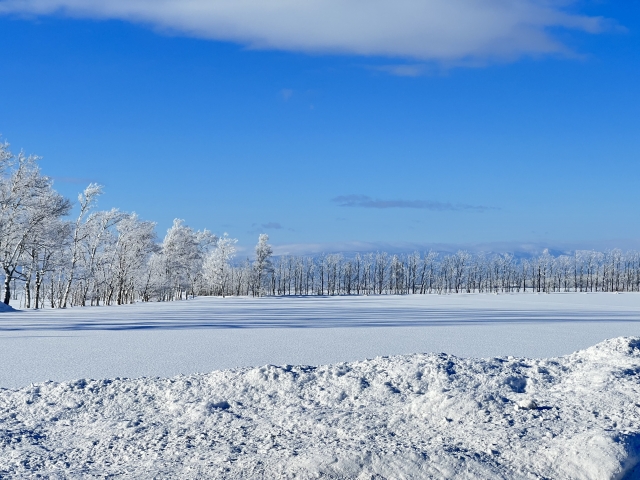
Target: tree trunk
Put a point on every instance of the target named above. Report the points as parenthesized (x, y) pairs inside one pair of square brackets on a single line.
[(7, 287), (67, 290), (37, 293), (27, 292)]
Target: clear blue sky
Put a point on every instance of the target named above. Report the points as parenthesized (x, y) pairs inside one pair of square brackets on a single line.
[(323, 136)]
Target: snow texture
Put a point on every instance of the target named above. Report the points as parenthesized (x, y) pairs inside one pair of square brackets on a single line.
[(413, 416), (171, 338)]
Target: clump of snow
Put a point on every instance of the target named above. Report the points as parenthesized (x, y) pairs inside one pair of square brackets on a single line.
[(527, 404), (413, 416)]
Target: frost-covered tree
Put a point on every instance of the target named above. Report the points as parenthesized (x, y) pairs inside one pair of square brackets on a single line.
[(27, 201), (184, 250), (262, 265), (44, 254), (136, 242), (217, 268), (86, 201), (98, 240)]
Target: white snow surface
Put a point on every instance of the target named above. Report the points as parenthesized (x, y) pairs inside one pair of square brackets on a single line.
[(411, 416), (205, 334)]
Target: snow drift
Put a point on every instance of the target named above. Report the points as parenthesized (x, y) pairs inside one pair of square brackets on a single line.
[(6, 308), (413, 416)]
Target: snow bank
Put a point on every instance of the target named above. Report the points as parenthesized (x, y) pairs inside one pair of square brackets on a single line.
[(6, 308), (414, 416)]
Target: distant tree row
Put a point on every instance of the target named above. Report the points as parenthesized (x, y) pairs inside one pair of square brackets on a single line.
[(462, 272), (112, 257)]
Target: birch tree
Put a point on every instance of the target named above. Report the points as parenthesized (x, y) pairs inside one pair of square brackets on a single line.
[(86, 201), (184, 250), (216, 267), (262, 264), (27, 200)]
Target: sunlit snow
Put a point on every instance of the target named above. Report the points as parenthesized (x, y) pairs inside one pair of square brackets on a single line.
[(419, 415), (205, 334)]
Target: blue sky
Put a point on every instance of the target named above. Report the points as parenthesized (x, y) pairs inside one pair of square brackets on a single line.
[(331, 140)]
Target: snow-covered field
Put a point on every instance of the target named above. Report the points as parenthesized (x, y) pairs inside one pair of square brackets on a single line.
[(205, 334), (410, 416)]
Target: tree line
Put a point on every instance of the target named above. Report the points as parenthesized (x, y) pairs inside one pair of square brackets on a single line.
[(113, 257), (99, 257), (382, 273)]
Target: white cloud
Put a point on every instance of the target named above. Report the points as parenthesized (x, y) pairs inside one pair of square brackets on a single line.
[(364, 201), (520, 249), (440, 30), (402, 70)]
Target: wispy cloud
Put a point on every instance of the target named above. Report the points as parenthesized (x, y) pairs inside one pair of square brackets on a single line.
[(272, 226), (427, 30), (363, 201), (286, 94), (443, 67), (261, 227), (402, 70)]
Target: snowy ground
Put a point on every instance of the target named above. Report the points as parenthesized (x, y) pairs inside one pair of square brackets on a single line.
[(205, 334), (410, 416), (414, 416)]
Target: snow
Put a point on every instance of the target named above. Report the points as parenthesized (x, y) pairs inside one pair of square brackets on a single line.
[(514, 414), (6, 308), (205, 334), (411, 416)]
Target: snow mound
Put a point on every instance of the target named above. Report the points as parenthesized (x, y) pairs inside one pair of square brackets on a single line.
[(413, 416), (6, 308)]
